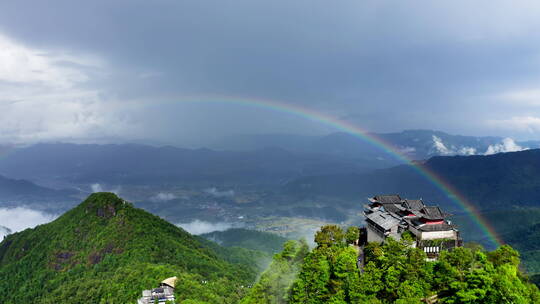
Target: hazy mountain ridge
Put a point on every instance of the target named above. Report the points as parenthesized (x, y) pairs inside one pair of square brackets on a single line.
[(270, 158), (20, 189), (416, 144), (129, 163), (493, 181)]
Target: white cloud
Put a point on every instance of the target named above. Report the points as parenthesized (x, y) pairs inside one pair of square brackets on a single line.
[(4, 231), (200, 227), (163, 197), (507, 145), (97, 187), (440, 147), (215, 192), (467, 151), (20, 218)]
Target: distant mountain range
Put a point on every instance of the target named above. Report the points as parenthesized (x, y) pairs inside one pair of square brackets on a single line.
[(257, 159), (417, 144), (493, 181), (140, 164)]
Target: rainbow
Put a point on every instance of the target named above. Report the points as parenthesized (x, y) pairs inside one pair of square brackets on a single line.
[(364, 135)]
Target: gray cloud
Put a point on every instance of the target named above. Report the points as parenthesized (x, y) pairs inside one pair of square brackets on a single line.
[(113, 69)]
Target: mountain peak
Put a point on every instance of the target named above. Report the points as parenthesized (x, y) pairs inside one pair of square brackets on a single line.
[(104, 204)]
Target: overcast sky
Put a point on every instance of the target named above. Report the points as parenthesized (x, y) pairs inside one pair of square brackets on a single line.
[(122, 70)]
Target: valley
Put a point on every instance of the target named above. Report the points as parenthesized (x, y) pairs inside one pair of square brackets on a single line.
[(220, 208)]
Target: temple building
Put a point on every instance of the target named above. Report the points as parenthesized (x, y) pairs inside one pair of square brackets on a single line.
[(162, 294), (391, 216)]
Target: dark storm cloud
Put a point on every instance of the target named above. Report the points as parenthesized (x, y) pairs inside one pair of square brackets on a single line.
[(383, 65)]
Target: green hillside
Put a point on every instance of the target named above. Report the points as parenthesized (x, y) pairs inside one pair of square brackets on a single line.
[(518, 227), (107, 251), (250, 239), (394, 272)]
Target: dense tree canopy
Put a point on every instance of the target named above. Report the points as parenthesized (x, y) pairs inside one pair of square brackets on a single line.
[(394, 272)]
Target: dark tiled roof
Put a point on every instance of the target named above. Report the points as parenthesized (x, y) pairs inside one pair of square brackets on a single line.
[(383, 219), (414, 204), (388, 199), (432, 213), (395, 208)]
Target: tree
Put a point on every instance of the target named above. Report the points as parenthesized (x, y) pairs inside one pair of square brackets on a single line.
[(329, 235), (352, 235), (275, 282), (504, 255), (311, 287)]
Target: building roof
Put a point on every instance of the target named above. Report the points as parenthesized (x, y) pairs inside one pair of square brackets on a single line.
[(437, 227), (170, 281), (414, 205), (395, 208), (432, 213), (383, 219), (388, 199), (416, 223)]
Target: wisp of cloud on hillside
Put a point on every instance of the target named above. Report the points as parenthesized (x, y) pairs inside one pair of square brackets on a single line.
[(200, 227)]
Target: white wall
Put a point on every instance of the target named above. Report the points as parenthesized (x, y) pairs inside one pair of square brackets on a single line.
[(433, 235), (374, 235)]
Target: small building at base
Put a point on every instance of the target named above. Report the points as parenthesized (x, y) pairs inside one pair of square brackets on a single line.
[(161, 294), (391, 216)]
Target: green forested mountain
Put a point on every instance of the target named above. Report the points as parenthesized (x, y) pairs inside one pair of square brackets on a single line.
[(107, 251)]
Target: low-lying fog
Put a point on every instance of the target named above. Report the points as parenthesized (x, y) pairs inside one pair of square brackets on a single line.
[(201, 227)]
